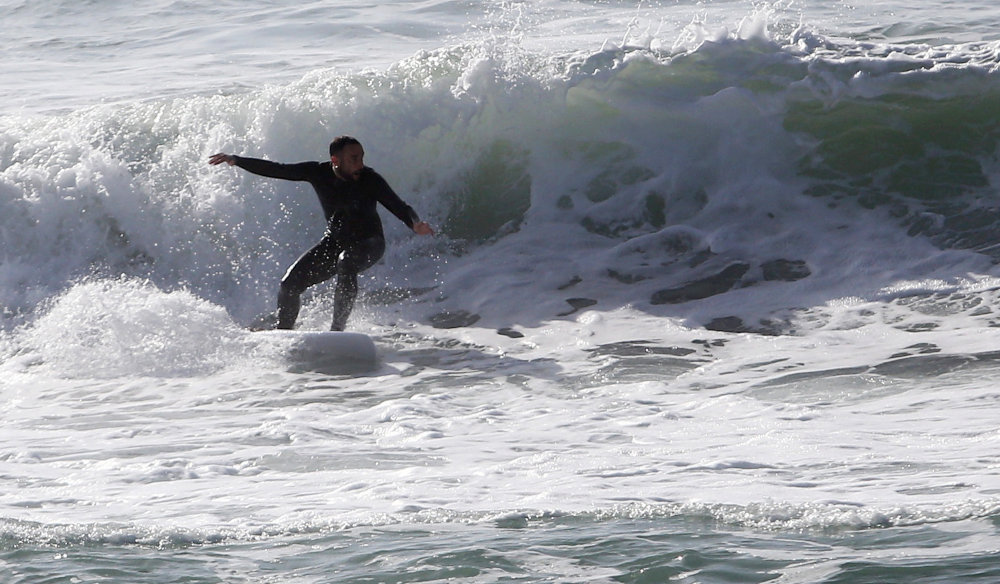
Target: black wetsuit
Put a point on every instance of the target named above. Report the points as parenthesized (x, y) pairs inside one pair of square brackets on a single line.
[(353, 242)]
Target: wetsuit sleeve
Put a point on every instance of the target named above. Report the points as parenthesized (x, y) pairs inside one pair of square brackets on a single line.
[(391, 201), (299, 171)]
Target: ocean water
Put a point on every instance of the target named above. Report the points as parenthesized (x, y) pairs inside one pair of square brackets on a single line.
[(713, 297)]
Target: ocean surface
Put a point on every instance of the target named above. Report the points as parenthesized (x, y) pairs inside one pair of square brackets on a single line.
[(714, 296)]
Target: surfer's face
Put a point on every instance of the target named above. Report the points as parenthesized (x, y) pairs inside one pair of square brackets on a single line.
[(349, 162)]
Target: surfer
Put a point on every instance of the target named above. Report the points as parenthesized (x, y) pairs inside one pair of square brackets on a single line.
[(348, 192)]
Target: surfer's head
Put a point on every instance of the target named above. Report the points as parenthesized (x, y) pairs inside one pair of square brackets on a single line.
[(347, 156)]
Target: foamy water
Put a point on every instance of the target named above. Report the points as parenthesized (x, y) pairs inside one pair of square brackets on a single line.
[(712, 297)]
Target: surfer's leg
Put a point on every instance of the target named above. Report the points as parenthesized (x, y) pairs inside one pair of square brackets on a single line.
[(353, 260), (289, 303), (316, 265), (343, 299)]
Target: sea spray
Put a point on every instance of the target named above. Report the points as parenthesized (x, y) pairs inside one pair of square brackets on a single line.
[(737, 139)]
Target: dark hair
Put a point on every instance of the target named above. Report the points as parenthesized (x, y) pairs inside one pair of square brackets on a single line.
[(341, 142)]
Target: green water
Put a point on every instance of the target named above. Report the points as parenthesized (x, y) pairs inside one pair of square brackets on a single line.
[(541, 549)]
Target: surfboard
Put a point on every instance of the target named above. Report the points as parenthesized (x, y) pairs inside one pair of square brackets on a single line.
[(326, 351)]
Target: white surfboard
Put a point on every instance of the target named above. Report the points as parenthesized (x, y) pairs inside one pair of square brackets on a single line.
[(327, 351)]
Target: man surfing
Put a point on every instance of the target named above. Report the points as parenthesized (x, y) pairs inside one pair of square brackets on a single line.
[(349, 193)]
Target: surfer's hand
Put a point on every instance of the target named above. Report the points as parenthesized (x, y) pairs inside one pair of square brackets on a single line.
[(220, 158), (422, 228)]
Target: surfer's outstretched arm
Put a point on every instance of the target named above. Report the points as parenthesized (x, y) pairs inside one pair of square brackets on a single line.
[(302, 171)]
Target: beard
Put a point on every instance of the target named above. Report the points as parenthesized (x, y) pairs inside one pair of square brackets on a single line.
[(352, 176)]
